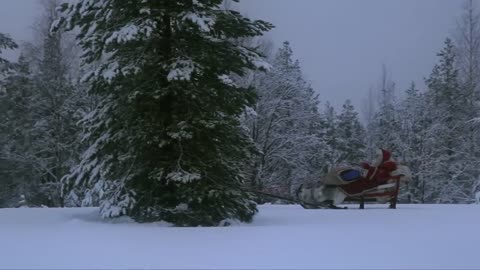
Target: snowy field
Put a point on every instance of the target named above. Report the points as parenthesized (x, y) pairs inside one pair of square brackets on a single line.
[(413, 236)]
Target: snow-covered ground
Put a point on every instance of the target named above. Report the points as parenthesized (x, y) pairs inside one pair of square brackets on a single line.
[(413, 236)]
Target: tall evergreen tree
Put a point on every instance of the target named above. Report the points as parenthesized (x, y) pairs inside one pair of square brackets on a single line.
[(468, 54), (10, 103), (165, 140), (414, 149), (5, 43), (17, 124), (332, 153), (448, 116), (56, 109), (350, 135), (369, 110), (386, 126), (42, 114)]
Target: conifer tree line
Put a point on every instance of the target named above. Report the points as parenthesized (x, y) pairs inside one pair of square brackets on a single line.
[(174, 110)]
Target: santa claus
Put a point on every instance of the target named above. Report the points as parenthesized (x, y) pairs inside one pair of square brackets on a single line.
[(381, 168)]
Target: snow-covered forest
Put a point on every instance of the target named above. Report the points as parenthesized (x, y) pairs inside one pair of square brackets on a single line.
[(173, 110)]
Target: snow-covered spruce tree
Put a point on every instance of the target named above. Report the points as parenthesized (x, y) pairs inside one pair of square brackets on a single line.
[(467, 43), (453, 163), (386, 126), (414, 149), (350, 135), (41, 113), (18, 165), (467, 47), (283, 126), (7, 185), (368, 113), (60, 101), (5, 43), (56, 110), (332, 155), (165, 140)]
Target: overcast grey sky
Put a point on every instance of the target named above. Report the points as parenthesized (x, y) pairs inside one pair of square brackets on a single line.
[(341, 44), (17, 16)]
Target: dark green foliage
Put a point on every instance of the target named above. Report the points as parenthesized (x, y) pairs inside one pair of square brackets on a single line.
[(350, 135), (166, 143)]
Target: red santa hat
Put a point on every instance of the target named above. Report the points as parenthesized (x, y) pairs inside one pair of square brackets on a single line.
[(381, 157)]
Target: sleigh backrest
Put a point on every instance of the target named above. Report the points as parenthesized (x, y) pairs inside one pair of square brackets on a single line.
[(403, 172)]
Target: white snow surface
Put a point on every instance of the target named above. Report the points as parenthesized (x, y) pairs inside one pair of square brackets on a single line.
[(281, 237)]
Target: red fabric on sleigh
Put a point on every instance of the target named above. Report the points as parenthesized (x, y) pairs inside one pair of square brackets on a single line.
[(376, 175)]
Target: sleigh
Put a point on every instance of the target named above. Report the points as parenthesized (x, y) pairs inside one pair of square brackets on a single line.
[(348, 185), (387, 192)]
